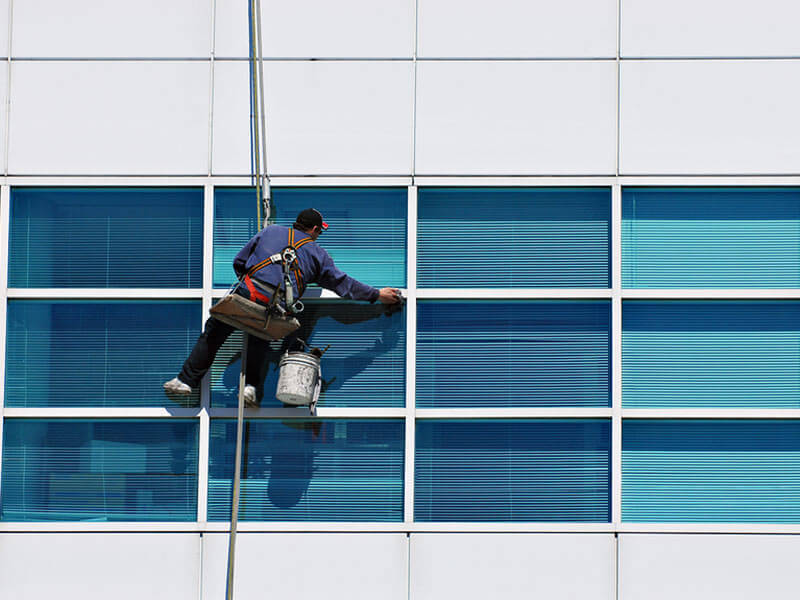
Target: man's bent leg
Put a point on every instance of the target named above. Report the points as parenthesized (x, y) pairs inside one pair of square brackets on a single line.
[(204, 352)]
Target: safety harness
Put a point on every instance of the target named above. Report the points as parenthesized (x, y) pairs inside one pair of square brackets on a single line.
[(288, 260)]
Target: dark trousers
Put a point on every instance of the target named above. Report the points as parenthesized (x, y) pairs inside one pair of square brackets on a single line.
[(208, 344)]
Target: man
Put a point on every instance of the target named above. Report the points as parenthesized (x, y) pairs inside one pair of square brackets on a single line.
[(314, 265)]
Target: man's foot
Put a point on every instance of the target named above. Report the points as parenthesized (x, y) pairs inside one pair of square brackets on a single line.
[(176, 386), (250, 397)]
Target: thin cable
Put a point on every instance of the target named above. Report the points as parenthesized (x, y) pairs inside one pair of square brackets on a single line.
[(254, 79), (265, 183)]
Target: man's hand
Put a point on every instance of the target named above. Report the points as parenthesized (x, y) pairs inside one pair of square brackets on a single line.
[(390, 296)]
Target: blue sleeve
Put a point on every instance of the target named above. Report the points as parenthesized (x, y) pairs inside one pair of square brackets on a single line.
[(331, 278), (240, 261)]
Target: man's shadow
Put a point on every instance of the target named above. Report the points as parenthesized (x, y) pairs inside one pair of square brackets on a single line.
[(292, 460)]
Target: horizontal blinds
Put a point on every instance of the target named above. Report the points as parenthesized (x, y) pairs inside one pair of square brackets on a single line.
[(711, 471), (522, 353), (711, 237), (106, 237), (726, 354), (514, 237), (86, 353), (299, 470), (365, 365), (78, 470), (524, 470), (366, 239)]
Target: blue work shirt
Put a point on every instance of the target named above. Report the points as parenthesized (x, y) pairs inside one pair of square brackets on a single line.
[(316, 265)]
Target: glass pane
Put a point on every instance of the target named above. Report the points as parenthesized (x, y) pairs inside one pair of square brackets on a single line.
[(106, 237), (744, 471), (519, 353), (727, 354), (514, 237), (89, 353), (365, 365), (525, 470), (366, 239), (309, 470), (711, 237), (84, 470)]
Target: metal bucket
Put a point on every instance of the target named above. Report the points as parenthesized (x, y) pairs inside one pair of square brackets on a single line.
[(299, 378)]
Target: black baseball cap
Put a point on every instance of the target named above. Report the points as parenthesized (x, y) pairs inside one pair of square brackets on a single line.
[(311, 217)]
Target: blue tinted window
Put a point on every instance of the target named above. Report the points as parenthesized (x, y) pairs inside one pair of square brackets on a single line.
[(711, 471), (711, 354), (366, 239), (525, 470), (711, 237), (524, 353), (79, 470), (106, 237), (514, 237), (303, 470), (90, 353), (365, 365)]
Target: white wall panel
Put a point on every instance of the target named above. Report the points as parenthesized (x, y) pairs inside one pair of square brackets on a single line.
[(99, 566), (3, 112), (511, 29), (320, 28), (512, 566), (309, 565), (710, 28), (508, 118), (109, 118), (322, 118), (699, 567), (4, 24), (710, 117), (122, 28)]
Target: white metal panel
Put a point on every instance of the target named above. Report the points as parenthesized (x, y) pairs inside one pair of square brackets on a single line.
[(512, 566), (335, 118), (114, 118), (320, 28), (98, 566), (356, 566), (3, 112), (4, 27), (698, 567), (710, 28), (710, 117), (514, 29), (103, 29), (510, 118)]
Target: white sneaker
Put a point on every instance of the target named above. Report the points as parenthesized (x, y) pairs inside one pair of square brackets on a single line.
[(176, 386), (250, 396)]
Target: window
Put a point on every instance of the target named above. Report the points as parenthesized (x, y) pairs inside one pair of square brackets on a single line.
[(514, 237), (106, 237), (521, 470), (366, 239), (711, 237), (745, 471), (697, 354), (302, 470), (517, 353), (80, 469), (92, 353)]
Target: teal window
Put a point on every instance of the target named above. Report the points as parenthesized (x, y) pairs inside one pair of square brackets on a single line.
[(514, 237), (91, 353), (364, 366), (742, 471), (711, 237), (106, 237), (309, 470), (522, 470), (702, 354), (92, 470), (366, 239), (517, 353)]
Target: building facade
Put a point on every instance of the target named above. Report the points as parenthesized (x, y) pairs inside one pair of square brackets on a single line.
[(593, 209)]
